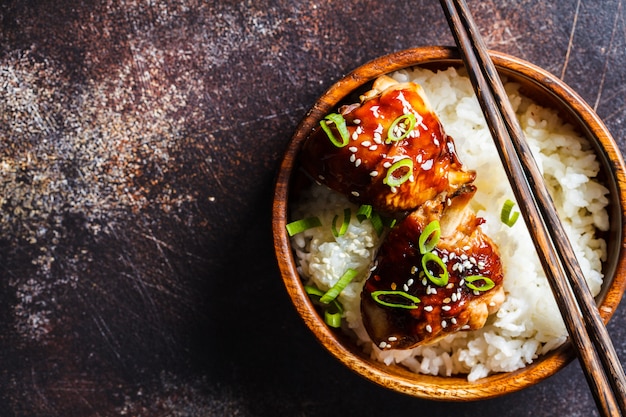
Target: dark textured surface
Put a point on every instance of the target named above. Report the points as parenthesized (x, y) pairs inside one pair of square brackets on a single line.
[(138, 146)]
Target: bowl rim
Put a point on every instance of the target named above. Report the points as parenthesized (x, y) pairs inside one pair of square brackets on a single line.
[(454, 388)]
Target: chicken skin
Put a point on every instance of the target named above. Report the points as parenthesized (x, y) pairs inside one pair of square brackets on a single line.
[(403, 306), (389, 151)]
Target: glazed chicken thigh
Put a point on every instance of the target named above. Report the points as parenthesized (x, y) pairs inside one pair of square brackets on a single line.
[(414, 296), (389, 151)]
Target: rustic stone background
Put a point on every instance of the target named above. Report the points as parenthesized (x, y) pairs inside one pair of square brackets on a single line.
[(138, 145)]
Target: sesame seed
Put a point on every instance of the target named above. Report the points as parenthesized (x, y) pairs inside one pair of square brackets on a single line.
[(382, 344), (352, 158), (410, 281), (444, 324), (355, 135), (428, 308), (357, 162), (356, 121), (374, 174), (405, 287), (353, 149), (373, 147), (450, 285), (429, 328), (447, 300), (453, 320), (446, 308), (413, 270), (392, 338), (386, 164), (453, 297), (366, 143), (355, 193)]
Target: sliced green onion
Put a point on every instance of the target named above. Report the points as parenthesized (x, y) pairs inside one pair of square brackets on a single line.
[(506, 216), (347, 213), (429, 237), (391, 135), (340, 123), (377, 223), (301, 225), (442, 279), (332, 318), (377, 296), (393, 181), (332, 311), (341, 283), (364, 212), (488, 283), (311, 290)]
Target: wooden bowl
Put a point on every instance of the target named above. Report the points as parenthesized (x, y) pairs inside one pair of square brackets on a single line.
[(547, 90)]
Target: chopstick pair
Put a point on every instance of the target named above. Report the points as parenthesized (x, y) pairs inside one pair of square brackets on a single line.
[(586, 329)]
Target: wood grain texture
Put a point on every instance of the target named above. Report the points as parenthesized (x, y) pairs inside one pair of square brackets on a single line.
[(139, 143)]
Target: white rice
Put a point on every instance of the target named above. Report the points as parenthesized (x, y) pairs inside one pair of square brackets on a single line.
[(529, 323)]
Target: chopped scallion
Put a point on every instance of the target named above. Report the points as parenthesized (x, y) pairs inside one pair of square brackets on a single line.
[(377, 223), (347, 213), (311, 290), (340, 124), (332, 318), (341, 283), (506, 216), (301, 225), (364, 212), (394, 181), (488, 283), (332, 311), (396, 299), (401, 125), (440, 280), (429, 237)]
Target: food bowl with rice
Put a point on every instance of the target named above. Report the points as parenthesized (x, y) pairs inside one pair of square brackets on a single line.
[(410, 267)]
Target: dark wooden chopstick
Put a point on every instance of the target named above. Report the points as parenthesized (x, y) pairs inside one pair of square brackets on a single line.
[(586, 329)]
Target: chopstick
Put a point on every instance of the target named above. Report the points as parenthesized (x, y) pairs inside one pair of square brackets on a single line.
[(593, 346)]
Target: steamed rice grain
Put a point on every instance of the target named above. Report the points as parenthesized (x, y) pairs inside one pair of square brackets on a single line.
[(528, 324)]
